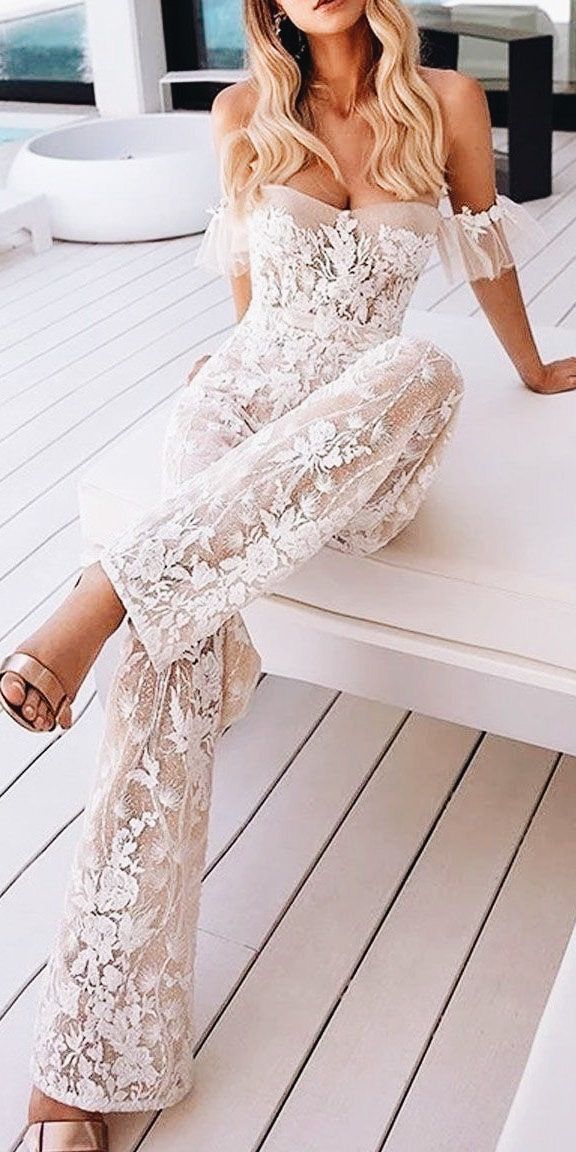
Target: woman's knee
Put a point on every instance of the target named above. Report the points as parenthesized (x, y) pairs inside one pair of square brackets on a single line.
[(436, 367)]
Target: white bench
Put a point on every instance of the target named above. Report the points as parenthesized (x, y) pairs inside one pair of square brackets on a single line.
[(31, 213), (470, 613)]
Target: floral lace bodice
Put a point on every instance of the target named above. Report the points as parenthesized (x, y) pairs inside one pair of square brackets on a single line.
[(335, 271), (323, 269), (328, 283)]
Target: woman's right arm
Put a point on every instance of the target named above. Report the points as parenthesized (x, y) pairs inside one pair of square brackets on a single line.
[(231, 108)]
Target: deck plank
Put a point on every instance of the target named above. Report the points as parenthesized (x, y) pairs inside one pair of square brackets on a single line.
[(124, 264), (350, 1087), (306, 963), (289, 713), (485, 1035)]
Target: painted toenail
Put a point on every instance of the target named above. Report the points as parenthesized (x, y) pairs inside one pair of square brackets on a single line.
[(28, 710)]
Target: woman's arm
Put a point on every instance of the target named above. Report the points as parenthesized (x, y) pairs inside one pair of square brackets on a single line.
[(230, 109), (470, 174)]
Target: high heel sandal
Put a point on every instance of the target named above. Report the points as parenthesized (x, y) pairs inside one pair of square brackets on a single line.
[(67, 1136), (48, 686), (37, 675)]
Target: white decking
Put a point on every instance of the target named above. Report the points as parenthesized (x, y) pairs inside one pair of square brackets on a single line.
[(387, 896)]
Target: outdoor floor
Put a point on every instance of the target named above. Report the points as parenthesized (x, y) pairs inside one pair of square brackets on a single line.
[(387, 896)]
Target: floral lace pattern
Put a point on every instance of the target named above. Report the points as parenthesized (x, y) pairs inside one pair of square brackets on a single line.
[(247, 521), (316, 422), (471, 244), (344, 274), (115, 1022)]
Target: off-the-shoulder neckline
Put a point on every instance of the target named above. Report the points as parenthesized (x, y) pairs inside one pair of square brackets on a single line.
[(361, 207)]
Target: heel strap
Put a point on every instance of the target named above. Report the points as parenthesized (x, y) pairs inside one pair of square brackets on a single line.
[(67, 1136)]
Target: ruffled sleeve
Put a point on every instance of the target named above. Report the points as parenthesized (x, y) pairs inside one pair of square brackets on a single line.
[(224, 247), (483, 244)]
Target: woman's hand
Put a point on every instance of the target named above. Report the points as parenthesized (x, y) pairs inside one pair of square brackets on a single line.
[(196, 368), (557, 376)]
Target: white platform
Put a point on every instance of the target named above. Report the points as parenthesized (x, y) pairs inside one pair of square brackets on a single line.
[(469, 614)]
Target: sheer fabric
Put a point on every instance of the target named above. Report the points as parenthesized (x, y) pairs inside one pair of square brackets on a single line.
[(471, 245)]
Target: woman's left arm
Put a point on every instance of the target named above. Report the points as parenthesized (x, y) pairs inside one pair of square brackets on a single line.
[(470, 174)]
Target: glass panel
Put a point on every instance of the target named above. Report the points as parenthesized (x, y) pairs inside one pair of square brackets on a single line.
[(40, 45), (221, 21), (488, 60), (222, 25)]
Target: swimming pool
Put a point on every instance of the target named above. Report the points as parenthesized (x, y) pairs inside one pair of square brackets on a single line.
[(8, 134), (21, 125)]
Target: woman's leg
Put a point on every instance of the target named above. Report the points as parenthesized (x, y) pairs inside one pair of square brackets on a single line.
[(116, 1021), (241, 526), (114, 1029), (115, 1024), (396, 502)]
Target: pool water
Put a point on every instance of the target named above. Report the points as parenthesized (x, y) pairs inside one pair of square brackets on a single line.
[(7, 134)]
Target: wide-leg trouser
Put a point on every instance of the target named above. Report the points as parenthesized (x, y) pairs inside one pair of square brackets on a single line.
[(243, 507)]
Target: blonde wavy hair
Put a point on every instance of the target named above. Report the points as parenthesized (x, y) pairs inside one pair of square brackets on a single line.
[(403, 112)]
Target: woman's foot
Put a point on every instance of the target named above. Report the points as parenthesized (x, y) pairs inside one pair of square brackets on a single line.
[(55, 1125), (68, 644)]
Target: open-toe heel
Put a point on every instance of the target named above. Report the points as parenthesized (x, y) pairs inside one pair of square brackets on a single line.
[(36, 675), (67, 1136)]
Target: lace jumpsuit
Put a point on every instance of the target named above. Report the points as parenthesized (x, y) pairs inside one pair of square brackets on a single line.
[(316, 422)]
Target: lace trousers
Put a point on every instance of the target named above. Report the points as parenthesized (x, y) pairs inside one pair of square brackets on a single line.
[(243, 506)]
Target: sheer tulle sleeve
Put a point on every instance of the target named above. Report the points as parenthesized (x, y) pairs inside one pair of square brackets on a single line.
[(224, 246), (483, 244)]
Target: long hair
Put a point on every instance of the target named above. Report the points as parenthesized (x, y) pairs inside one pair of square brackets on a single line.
[(406, 156)]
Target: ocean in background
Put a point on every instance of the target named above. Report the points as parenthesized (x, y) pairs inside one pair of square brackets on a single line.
[(50, 46), (223, 33), (54, 45)]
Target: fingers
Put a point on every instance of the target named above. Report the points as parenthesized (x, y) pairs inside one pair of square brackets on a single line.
[(560, 376)]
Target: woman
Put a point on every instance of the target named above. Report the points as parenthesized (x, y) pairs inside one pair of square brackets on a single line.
[(316, 422)]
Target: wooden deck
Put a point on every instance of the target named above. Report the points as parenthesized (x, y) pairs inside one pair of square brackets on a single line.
[(387, 896)]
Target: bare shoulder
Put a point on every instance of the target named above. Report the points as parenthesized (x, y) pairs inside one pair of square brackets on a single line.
[(233, 106), (462, 98)]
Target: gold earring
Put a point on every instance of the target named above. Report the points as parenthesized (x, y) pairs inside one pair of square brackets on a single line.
[(279, 18)]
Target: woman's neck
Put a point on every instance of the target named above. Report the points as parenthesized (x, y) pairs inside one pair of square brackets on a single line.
[(340, 64)]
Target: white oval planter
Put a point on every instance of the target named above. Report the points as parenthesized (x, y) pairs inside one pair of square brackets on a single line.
[(150, 177)]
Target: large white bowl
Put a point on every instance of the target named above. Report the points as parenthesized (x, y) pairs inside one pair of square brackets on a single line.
[(146, 178)]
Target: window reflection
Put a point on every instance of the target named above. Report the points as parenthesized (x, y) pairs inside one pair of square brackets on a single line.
[(222, 25), (36, 44)]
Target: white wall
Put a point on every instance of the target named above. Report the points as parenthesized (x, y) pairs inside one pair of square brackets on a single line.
[(128, 55)]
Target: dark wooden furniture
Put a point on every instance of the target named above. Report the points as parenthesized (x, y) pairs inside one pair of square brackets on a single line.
[(525, 173)]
